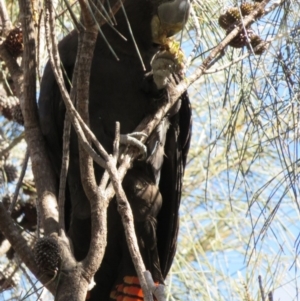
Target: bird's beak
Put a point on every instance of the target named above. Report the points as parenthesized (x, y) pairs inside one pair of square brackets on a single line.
[(170, 19)]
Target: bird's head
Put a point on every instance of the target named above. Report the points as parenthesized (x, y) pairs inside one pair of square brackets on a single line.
[(169, 18)]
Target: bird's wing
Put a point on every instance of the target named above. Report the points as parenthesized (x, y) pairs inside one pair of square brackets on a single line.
[(176, 150)]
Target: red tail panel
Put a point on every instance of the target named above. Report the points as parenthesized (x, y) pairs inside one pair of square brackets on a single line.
[(129, 290)]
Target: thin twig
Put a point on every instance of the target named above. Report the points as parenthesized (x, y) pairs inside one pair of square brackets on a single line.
[(68, 9), (77, 24), (5, 20), (198, 37), (102, 9), (270, 296), (28, 277), (127, 220), (262, 292), (132, 36), (116, 146), (112, 15), (66, 145), (64, 172), (20, 181), (98, 24), (108, 23), (116, 150)]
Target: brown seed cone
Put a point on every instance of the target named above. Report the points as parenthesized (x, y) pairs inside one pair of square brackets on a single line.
[(230, 17), (242, 39), (46, 252), (11, 172), (7, 105), (261, 11), (225, 21), (239, 41), (247, 8), (14, 42), (234, 12), (255, 42), (11, 110)]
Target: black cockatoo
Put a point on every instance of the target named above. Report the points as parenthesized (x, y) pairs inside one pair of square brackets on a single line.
[(122, 91)]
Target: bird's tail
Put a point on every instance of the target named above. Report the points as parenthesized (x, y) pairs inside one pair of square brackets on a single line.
[(129, 290)]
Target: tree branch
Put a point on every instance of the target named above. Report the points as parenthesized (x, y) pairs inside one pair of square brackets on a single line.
[(41, 167), (96, 198)]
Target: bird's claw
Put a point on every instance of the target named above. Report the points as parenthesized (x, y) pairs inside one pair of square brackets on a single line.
[(133, 140), (164, 64)]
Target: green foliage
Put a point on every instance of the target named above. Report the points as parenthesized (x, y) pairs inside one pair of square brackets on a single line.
[(240, 210)]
